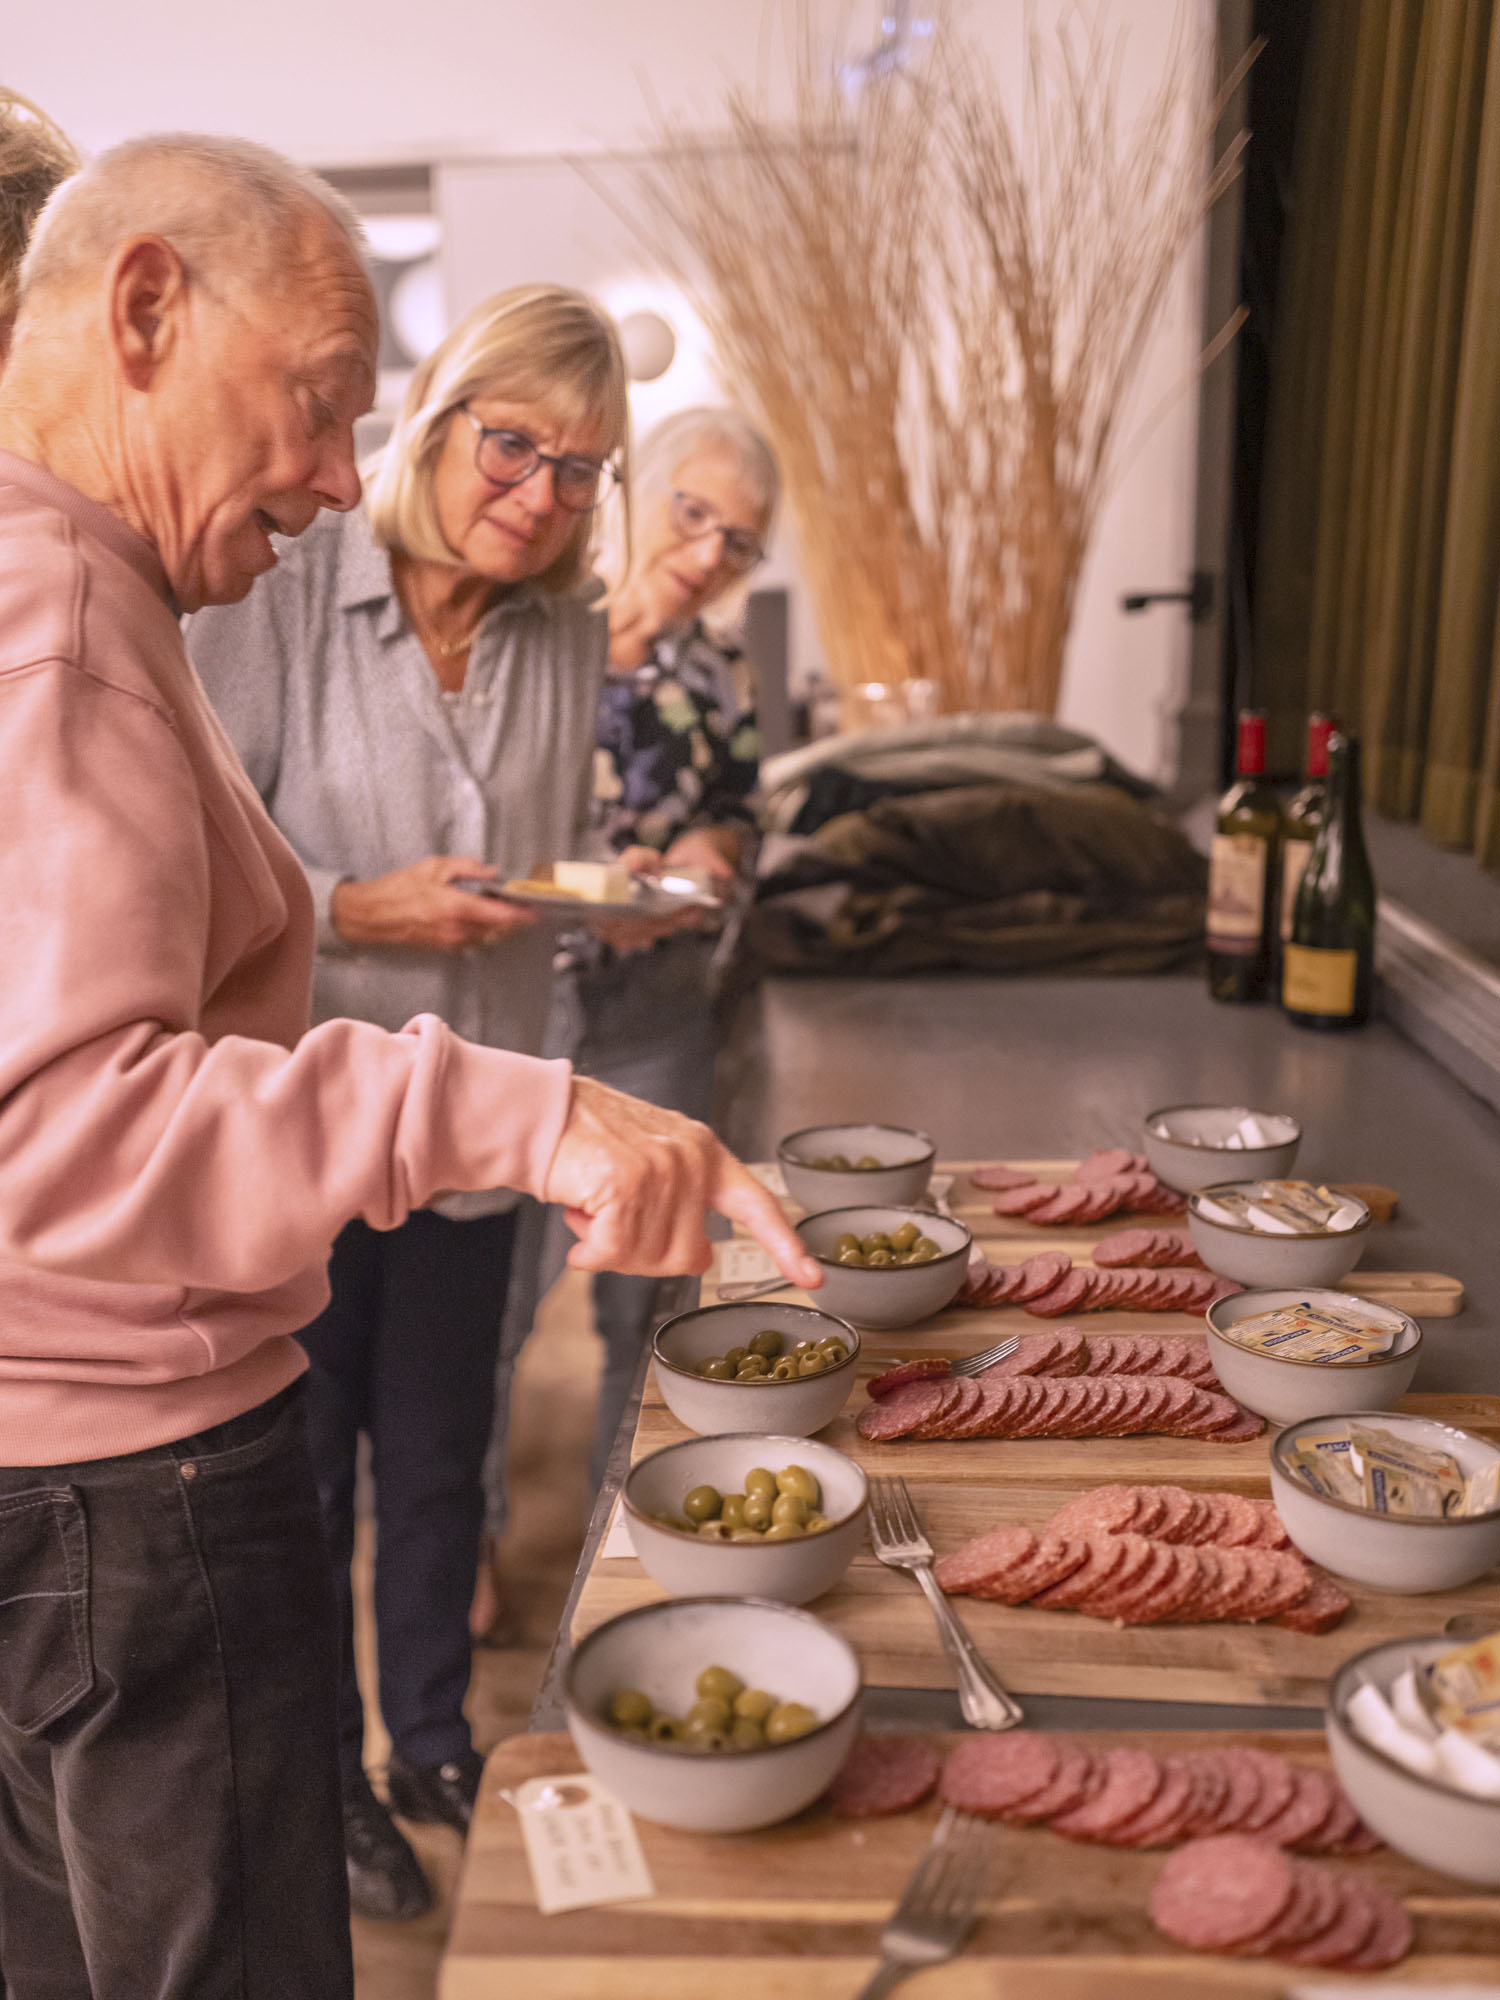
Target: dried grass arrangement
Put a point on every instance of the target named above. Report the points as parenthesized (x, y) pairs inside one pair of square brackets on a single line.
[(936, 316)]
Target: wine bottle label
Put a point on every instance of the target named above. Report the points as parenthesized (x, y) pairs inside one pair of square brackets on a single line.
[(1294, 859), (1236, 891), (1317, 981)]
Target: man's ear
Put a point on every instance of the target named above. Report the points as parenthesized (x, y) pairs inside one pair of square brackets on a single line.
[(146, 282)]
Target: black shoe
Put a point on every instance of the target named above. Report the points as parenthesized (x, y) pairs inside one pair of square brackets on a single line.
[(442, 1792), (385, 1876)]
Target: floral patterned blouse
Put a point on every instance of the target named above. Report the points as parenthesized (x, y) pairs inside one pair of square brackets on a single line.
[(678, 745)]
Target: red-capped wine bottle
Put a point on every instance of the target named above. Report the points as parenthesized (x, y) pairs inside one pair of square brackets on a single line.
[(1242, 873)]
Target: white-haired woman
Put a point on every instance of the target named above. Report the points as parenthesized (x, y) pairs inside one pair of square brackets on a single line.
[(675, 780), (413, 691)]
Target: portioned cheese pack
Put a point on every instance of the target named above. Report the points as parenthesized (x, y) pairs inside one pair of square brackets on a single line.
[(1336, 1335), (1382, 1472)]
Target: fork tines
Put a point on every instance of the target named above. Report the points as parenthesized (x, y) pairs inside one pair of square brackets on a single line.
[(949, 1881), (977, 1362)]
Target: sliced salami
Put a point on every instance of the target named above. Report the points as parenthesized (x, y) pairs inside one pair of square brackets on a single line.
[(1304, 1812), (950, 1423), (1072, 1783), (950, 1395), (1043, 1272), (1320, 1610), (986, 1556), (884, 1774), (1215, 1894), (1106, 1164), (1389, 1942), (931, 1368), (1165, 1820), (990, 1775), (898, 1414), (1103, 1555), (1353, 1927), (994, 1179), (1063, 1297), (1022, 1200), (1132, 1779)]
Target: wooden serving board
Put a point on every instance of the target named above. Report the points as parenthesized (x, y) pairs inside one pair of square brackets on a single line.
[(795, 1912), (964, 1488)]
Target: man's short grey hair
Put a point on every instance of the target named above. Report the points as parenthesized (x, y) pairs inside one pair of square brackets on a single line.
[(228, 207)]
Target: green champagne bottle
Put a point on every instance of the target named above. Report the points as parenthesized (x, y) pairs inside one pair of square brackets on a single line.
[(1328, 973), (1302, 816), (1242, 873)]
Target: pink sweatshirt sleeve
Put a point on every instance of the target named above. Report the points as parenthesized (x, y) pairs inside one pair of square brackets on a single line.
[(134, 1149)]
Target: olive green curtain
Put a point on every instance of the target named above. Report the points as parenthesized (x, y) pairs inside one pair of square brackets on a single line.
[(1378, 582)]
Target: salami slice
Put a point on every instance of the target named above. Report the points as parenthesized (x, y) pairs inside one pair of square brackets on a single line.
[(950, 1423), (1022, 1200), (1106, 1164), (1075, 1771), (1211, 1780), (951, 1395), (931, 1368), (1389, 1942), (1065, 1206), (1304, 1812), (994, 1179), (1353, 1927), (1132, 1779), (1072, 1351), (1033, 1355), (1278, 1786), (1177, 1513), (1215, 1894), (1063, 1297), (899, 1413), (990, 1775), (1159, 1599), (884, 1774), (986, 1556), (1127, 1246), (1243, 1795), (1165, 1820), (1107, 1510), (1315, 1902), (1103, 1556), (1042, 1272), (1342, 1821), (994, 1396)]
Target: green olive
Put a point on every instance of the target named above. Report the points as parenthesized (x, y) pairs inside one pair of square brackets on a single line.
[(787, 1720), (746, 1735), (713, 1531), (866, 1161), (800, 1348), (925, 1247), (923, 1255), (758, 1508), (816, 1523), (876, 1240), (732, 1512), (702, 1503), (760, 1479), (833, 1347), (710, 1711), (880, 1260), (784, 1370), (679, 1522), (661, 1729), (798, 1480), (789, 1507), (843, 1243), (752, 1368), (736, 1355), (631, 1709), (784, 1531), (746, 1535), (904, 1237), (718, 1684), (636, 1735), (854, 1256), (717, 1370), (813, 1364), (767, 1342), (838, 1163), (753, 1704), (706, 1740)]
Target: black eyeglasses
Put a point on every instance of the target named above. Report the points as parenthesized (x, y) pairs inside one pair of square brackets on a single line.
[(693, 518), (507, 457)]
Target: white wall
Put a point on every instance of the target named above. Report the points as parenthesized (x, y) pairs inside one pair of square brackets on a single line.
[(516, 84)]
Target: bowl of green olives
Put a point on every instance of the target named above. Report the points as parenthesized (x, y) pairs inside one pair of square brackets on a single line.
[(759, 1366), (826, 1166), (753, 1516), (674, 1759), (887, 1267)]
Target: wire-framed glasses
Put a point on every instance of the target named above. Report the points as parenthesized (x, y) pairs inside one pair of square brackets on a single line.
[(507, 457), (693, 518)]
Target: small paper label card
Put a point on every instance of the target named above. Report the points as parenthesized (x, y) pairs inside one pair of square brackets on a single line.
[(617, 1540), (581, 1844), (744, 1262)]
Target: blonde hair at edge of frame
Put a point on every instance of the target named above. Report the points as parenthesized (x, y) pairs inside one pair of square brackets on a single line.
[(35, 155), (541, 344), (667, 447)]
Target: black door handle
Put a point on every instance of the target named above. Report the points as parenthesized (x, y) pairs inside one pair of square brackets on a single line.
[(1198, 597)]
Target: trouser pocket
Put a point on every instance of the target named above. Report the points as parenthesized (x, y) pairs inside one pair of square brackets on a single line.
[(46, 1662)]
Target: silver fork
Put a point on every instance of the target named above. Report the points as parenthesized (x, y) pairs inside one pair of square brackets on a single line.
[(942, 1898), (977, 1363), (897, 1537)]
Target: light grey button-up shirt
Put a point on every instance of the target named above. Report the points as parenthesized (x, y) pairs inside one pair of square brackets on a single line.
[(367, 766)]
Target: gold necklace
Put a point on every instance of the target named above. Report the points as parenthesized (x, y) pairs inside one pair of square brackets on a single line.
[(449, 649)]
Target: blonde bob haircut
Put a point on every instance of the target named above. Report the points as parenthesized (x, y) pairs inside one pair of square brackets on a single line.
[(539, 344)]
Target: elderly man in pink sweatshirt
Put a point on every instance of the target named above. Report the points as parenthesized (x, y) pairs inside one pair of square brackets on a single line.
[(177, 1150)]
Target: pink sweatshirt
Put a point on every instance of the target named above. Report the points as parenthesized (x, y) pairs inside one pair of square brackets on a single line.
[(177, 1149)]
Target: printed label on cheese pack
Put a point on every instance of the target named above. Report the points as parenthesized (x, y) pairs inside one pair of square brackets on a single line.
[(1306, 1332), (1315, 981), (1236, 891), (581, 1844)]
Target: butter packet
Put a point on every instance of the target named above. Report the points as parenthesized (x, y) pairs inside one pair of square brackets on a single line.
[(1481, 1490), (1306, 1332), (1297, 1208), (1402, 1478), (1464, 1689), (1323, 1459)]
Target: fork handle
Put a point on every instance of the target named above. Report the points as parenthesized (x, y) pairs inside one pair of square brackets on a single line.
[(755, 1288), (985, 1704), (884, 1977)]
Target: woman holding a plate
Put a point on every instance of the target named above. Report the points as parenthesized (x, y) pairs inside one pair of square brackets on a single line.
[(674, 794), (413, 691)]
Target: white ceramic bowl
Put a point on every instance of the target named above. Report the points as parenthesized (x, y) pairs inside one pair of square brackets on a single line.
[(1193, 1153), (1288, 1390), (1426, 1819), (1377, 1549), (901, 1294), (661, 1649), (791, 1409), (1261, 1258), (906, 1158), (790, 1571)]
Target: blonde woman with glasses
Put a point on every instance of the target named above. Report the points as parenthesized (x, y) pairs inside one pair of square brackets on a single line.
[(413, 691)]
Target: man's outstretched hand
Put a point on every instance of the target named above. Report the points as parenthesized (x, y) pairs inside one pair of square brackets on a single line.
[(637, 1183)]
